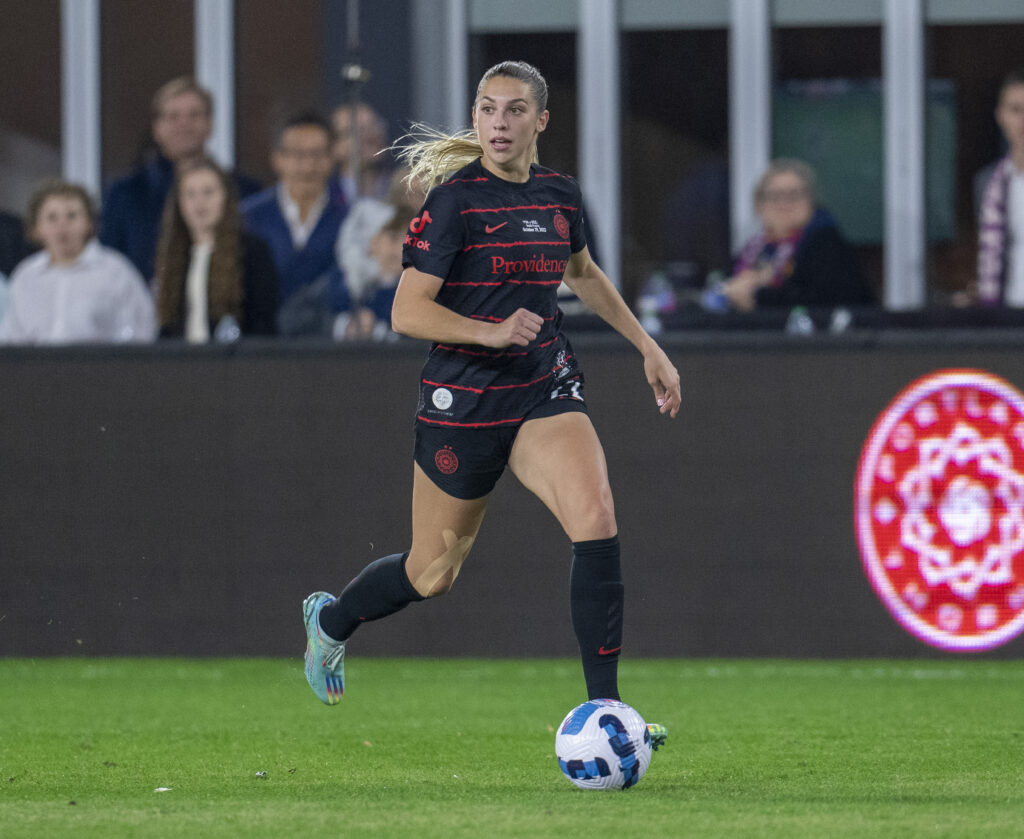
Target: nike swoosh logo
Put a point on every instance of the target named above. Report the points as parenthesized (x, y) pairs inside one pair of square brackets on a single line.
[(612, 651), (489, 229)]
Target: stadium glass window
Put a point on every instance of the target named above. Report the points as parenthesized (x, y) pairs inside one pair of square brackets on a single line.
[(827, 111), (30, 109), (139, 52), (675, 148), (968, 58), (279, 72)]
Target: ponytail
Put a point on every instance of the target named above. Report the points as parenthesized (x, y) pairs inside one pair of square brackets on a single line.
[(431, 155)]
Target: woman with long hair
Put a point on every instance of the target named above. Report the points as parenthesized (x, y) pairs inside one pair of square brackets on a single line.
[(502, 386), (211, 273)]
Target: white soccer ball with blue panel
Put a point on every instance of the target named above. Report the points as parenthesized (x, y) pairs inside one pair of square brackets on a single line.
[(603, 744)]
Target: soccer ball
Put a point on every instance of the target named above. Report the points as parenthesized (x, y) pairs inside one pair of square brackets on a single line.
[(603, 744)]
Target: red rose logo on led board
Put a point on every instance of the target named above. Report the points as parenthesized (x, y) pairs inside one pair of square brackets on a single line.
[(940, 509)]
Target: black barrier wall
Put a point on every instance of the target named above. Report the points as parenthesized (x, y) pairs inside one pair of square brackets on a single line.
[(183, 501)]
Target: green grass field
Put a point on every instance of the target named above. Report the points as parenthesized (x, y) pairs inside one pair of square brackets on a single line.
[(465, 748)]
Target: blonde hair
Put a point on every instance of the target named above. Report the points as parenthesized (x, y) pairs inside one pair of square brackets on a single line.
[(432, 155)]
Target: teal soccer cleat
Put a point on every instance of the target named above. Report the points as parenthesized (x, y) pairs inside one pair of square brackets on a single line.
[(659, 734), (325, 657)]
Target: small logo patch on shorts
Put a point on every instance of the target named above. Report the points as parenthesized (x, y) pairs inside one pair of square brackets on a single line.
[(446, 461), (442, 398)]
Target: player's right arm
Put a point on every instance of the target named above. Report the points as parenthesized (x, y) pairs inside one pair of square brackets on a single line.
[(417, 313)]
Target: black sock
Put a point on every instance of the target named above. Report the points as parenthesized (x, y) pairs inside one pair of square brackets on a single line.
[(381, 589), (596, 596)]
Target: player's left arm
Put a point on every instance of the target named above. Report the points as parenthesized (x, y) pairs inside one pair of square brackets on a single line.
[(591, 285)]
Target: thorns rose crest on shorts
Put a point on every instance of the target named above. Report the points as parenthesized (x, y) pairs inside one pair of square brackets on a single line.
[(940, 509), (446, 461)]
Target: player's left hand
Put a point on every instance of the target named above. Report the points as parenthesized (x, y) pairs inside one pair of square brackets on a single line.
[(663, 378)]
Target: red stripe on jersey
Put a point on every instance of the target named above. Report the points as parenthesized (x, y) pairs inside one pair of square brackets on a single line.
[(463, 181), (524, 384), (494, 354), (510, 245), (489, 387), (497, 320), (478, 352), (453, 387), (519, 207), (512, 282), (469, 424)]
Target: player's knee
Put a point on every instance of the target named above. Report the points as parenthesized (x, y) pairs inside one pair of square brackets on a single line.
[(594, 519), (442, 586), (438, 575)]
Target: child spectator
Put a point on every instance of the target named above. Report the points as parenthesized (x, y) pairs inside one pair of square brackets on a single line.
[(212, 278), (371, 310), (75, 290), (365, 218)]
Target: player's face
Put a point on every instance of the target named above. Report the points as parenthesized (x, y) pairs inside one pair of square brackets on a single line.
[(785, 205), (507, 121), (63, 227), (182, 127), (1010, 116), (202, 202)]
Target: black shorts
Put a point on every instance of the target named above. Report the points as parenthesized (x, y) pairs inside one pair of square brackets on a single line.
[(467, 462)]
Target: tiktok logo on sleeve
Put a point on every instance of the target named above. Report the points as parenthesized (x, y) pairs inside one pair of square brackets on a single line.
[(417, 226)]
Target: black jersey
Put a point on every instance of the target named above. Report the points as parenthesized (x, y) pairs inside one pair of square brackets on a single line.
[(499, 246)]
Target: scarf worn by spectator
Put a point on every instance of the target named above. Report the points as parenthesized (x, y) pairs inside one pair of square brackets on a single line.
[(776, 254), (992, 238)]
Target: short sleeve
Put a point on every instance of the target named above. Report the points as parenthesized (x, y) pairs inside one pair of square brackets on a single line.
[(577, 225), (437, 235)]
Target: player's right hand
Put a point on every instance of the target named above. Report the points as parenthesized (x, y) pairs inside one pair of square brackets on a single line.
[(518, 329)]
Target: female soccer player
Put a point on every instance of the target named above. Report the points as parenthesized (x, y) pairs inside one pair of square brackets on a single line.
[(501, 386)]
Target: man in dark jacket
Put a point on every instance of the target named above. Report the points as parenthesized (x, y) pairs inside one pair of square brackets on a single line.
[(182, 124)]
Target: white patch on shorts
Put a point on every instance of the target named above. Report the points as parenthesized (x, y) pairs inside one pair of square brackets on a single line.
[(442, 399)]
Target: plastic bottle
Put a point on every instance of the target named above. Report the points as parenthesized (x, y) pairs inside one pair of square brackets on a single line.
[(713, 299), (227, 330), (799, 322)]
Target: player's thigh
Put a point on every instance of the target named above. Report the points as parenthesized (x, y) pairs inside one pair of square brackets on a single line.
[(443, 531), (560, 459)]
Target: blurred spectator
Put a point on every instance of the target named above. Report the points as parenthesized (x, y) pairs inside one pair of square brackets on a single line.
[(13, 246), (370, 315), (365, 218), (374, 174), (299, 217), (212, 278), (75, 290), (696, 221), (182, 120), (13, 249), (799, 257), (999, 192)]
